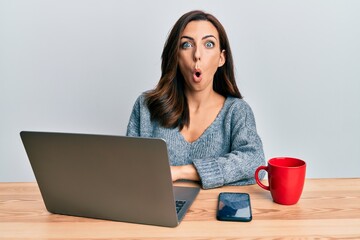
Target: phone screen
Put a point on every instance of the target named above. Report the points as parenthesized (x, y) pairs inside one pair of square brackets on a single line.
[(234, 207)]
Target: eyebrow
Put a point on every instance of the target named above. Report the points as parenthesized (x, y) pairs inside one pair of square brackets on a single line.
[(205, 37)]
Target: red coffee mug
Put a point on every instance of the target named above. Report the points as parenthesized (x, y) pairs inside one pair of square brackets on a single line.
[(286, 177)]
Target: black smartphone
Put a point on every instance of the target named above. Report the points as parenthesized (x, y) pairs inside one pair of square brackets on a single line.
[(234, 207)]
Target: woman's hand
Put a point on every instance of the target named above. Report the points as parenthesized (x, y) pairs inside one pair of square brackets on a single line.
[(187, 172)]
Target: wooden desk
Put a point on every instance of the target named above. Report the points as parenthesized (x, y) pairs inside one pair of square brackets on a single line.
[(329, 208)]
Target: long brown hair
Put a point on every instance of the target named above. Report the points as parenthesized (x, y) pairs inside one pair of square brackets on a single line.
[(167, 102)]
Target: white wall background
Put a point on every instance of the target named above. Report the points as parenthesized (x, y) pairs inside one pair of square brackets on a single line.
[(78, 66)]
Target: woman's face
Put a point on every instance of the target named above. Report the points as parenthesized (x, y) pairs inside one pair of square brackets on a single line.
[(200, 55)]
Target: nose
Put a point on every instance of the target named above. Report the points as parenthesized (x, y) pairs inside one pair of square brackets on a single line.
[(197, 54)]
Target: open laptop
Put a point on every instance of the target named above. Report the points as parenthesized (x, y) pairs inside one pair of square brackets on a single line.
[(107, 177)]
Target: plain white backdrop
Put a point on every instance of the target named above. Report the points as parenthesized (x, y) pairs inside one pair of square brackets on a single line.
[(79, 65)]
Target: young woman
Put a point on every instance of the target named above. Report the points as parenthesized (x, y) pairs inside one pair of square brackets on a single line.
[(197, 108)]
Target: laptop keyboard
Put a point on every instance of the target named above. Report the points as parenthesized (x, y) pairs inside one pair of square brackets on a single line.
[(179, 205)]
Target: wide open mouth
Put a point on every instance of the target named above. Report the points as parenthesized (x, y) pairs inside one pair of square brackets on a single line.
[(197, 72)]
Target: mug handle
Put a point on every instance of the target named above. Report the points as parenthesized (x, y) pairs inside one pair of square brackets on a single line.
[(257, 177)]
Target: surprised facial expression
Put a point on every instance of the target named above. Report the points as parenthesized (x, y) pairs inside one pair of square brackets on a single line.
[(200, 55)]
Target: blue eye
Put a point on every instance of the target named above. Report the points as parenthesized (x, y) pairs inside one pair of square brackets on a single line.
[(209, 44), (186, 45)]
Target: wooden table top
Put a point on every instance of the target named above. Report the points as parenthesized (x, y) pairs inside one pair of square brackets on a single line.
[(328, 209)]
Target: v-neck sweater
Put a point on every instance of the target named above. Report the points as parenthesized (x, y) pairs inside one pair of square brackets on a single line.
[(227, 153)]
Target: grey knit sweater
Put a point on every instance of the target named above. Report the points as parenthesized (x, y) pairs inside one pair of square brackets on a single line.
[(227, 153)]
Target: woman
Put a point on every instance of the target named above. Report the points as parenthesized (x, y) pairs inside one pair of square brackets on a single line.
[(197, 108)]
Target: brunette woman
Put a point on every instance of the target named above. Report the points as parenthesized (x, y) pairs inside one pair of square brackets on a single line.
[(197, 108)]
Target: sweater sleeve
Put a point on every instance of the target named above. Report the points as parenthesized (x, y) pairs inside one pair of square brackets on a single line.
[(133, 128), (238, 166)]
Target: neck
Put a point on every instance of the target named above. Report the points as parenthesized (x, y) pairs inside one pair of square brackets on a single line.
[(200, 100)]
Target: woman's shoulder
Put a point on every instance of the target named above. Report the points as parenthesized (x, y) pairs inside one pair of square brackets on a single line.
[(140, 101), (237, 104), (140, 107), (240, 112)]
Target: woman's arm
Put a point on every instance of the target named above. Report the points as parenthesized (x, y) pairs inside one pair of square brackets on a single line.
[(188, 172), (246, 153), (133, 128)]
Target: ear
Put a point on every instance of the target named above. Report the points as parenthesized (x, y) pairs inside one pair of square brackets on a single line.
[(222, 58)]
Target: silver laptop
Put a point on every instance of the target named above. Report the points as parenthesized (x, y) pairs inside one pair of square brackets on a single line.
[(107, 177)]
